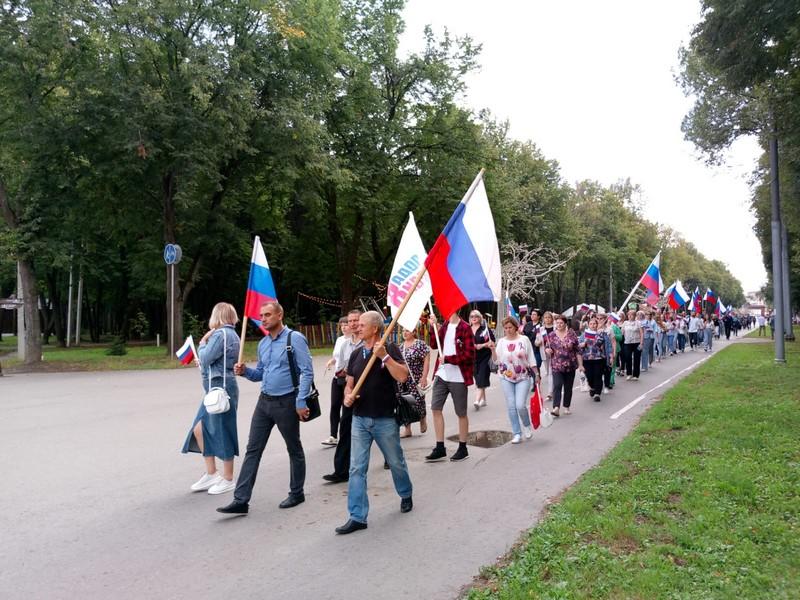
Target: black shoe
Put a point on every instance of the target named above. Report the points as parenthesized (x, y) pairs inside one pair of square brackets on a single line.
[(597, 397), (292, 501), (334, 478), (406, 504), (350, 527), (234, 508), (385, 465), (461, 454), (437, 454)]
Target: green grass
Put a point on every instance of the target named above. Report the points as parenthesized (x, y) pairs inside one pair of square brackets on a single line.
[(702, 500), (90, 357)]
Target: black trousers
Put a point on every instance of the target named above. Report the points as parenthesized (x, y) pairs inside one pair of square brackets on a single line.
[(341, 459), (594, 375), (563, 381), (607, 370), (693, 338), (271, 411), (337, 397), (633, 359)]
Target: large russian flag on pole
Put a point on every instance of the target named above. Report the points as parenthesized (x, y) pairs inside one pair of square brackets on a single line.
[(260, 288), (696, 303), (651, 279), (464, 263)]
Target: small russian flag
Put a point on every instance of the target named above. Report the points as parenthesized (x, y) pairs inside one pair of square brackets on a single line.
[(260, 287), (589, 336), (186, 353), (613, 317)]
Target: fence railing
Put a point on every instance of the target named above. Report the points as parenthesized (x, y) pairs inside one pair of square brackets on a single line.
[(325, 334)]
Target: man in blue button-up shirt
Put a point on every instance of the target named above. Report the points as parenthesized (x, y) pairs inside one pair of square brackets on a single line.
[(278, 404)]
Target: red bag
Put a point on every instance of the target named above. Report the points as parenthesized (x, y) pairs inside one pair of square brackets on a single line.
[(536, 408)]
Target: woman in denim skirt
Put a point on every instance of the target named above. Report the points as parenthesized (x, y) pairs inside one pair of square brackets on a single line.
[(214, 436)]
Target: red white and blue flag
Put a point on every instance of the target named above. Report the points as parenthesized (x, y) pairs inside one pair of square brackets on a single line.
[(651, 279), (613, 317), (260, 288), (186, 353), (710, 297), (676, 296), (510, 308), (721, 309), (697, 305), (589, 336), (464, 263)]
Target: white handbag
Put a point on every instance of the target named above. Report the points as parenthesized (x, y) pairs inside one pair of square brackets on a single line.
[(545, 418), (216, 399)]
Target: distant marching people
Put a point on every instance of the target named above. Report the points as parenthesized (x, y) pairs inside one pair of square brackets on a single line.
[(337, 383), (633, 336), (562, 348), (596, 349)]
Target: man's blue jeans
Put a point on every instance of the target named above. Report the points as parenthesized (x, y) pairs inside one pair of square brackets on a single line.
[(386, 433), (671, 341)]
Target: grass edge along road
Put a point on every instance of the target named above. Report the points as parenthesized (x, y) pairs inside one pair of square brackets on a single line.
[(701, 500)]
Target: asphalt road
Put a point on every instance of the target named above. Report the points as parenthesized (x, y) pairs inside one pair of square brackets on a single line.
[(96, 500)]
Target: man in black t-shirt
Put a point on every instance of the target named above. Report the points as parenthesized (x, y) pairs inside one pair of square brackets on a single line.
[(373, 419)]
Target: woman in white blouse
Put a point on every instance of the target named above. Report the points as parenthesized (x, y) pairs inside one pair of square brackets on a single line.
[(516, 365)]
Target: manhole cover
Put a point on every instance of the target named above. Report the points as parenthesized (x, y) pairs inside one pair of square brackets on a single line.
[(485, 439)]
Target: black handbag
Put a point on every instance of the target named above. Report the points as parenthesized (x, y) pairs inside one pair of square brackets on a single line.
[(312, 400), (406, 411)]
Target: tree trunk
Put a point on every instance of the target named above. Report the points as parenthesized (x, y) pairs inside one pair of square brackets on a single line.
[(55, 304), (33, 331)]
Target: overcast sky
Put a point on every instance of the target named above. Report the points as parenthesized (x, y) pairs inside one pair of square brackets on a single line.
[(593, 85)]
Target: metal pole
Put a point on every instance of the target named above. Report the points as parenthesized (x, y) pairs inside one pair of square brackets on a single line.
[(777, 263), (610, 287), (172, 310), (787, 290), (78, 307), (69, 306), (20, 317)]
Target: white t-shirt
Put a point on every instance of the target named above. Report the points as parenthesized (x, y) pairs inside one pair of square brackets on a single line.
[(447, 372), (694, 324)]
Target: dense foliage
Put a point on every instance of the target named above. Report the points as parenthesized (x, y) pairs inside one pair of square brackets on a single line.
[(127, 125), (743, 67)]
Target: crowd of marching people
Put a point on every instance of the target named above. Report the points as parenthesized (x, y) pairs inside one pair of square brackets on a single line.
[(378, 390)]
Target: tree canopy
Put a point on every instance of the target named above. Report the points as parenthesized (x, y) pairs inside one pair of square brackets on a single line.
[(125, 126)]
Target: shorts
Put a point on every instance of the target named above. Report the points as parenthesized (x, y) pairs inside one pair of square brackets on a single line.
[(458, 390)]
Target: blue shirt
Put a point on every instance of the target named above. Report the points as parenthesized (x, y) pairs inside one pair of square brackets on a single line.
[(273, 370)]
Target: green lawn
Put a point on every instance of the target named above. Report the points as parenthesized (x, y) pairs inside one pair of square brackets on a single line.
[(702, 500), (94, 358)]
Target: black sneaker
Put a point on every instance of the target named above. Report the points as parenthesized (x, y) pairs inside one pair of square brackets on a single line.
[(461, 454), (437, 454)]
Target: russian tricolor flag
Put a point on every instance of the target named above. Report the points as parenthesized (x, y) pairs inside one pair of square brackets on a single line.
[(676, 296), (613, 317), (710, 297), (651, 279), (464, 263), (510, 308), (186, 353), (696, 303), (260, 288)]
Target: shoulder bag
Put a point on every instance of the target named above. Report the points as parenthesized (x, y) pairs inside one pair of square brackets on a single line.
[(312, 400), (216, 399), (406, 410)]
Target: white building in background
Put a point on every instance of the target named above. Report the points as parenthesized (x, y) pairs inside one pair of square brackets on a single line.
[(755, 304)]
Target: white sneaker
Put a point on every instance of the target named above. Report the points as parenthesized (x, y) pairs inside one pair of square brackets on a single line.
[(330, 441), (222, 486), (205, 482), (627, 377), (606, 390), (528, 432), (483, 402), (477, 405), (516, 439)]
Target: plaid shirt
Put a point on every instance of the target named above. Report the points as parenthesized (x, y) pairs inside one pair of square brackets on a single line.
[(465, 350)]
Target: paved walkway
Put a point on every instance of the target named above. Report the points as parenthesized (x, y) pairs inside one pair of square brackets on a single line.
[(96, 501)]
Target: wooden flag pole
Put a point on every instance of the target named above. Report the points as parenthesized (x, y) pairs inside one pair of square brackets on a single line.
[(241, 341), (389, 330)]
